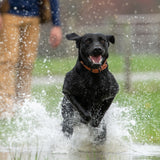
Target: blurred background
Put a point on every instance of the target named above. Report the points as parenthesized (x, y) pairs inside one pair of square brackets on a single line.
[(134, 22), (135, 25)]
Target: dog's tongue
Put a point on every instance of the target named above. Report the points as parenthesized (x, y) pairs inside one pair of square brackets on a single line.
[(96, 59)]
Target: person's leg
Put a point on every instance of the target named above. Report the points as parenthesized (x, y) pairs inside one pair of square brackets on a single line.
[(8, 59), (28, 53)]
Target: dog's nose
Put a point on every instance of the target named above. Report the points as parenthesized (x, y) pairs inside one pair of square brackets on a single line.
[(97, 51)]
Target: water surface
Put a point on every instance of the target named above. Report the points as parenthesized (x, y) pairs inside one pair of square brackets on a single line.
[(36, 133)]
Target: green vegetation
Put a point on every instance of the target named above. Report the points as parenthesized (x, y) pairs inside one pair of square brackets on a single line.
[(53, 66), (139, 63), (143, 100), (59, 66), (48, 95)]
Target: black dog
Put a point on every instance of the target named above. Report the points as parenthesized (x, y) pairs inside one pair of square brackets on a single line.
[(89, 88)]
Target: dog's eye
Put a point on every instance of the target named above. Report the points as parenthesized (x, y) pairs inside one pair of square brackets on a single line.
[(102, 41), (88, 41)]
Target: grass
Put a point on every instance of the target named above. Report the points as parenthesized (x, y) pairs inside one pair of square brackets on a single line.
[(59, 66), (145, 63), (53, 66), (143, 99), (27, 156), (49, 96)]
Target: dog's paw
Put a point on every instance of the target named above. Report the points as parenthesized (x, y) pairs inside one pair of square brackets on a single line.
[(101, 136), (94, 123), (67, 129), (68, 132), (86, 117), (99, 133)]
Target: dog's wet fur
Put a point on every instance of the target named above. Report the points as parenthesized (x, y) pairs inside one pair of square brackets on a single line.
[(88, 95)]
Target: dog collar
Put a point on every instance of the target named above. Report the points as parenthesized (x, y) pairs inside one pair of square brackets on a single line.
[(101, 68)]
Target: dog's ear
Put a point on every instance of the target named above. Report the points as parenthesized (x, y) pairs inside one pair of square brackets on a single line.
[(72, 36), (111, 38)]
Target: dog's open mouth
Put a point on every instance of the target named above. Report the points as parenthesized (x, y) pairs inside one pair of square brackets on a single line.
[(96, 59)]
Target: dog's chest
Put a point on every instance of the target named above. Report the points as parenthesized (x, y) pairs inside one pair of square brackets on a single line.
[(94, 88), (88, 88)]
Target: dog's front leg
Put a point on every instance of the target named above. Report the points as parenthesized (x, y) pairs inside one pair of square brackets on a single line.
[(83, 113), (97, 117)]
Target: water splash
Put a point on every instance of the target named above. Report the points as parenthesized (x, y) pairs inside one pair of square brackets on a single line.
[(35, 130)]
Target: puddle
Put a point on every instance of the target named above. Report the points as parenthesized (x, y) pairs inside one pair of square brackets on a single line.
[(34, 133)]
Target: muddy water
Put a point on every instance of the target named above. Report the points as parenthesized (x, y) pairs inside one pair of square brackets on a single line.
[(34, 133)]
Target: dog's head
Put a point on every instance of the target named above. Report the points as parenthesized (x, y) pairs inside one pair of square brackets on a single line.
[(93, 48)]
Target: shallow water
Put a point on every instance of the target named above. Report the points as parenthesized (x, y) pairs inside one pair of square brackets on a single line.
[(36, 133)]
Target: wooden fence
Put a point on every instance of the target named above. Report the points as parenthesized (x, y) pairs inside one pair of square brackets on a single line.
[(143, 32)]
